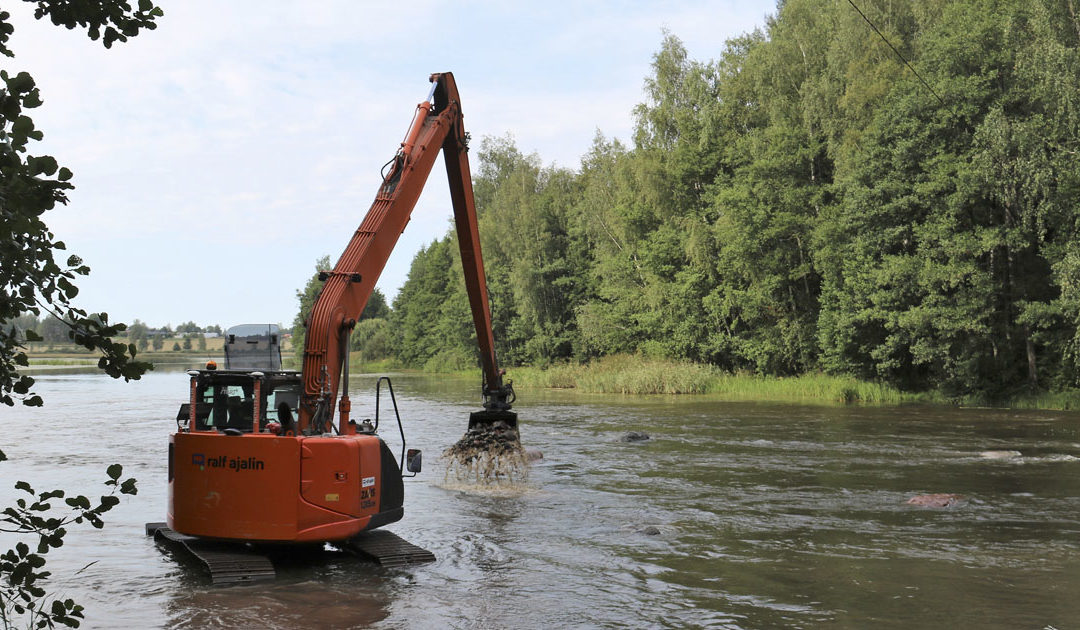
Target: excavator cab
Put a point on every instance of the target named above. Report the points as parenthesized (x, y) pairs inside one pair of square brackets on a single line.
[(225, 399), (241, 468)]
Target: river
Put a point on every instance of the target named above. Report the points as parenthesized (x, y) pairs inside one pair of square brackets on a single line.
[(732, 516)]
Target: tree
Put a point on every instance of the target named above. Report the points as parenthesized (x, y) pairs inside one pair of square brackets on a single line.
[(34, 281), (52, 330), (376, 307), (808, 201), (943, 261), (188, 327), (137, 331), (306, 297), (371, 339), (32, 278)]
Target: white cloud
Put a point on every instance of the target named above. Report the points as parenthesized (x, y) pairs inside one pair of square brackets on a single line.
[(218, 156)]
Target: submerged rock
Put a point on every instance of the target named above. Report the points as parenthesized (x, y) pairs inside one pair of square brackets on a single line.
[(533, 454), (941, 500), (634, 436), (650, 530)]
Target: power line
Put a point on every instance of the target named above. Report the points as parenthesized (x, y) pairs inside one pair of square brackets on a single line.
[(910, 67)]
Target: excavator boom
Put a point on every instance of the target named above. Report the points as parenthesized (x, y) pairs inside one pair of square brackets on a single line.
[(437, 124)]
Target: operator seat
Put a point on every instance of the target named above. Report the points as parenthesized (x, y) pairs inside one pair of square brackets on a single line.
[(239, 413)]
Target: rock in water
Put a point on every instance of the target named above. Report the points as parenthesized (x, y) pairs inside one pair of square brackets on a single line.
[(488, 454), (533, 454), (634, 436), (935, 500)]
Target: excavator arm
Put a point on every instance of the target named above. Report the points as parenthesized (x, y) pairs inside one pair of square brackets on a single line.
[(436, 125)]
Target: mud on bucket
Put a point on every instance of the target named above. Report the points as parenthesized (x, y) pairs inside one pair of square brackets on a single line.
[(490, 452)]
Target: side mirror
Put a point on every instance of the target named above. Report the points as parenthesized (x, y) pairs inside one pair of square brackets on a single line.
[(413, 460)]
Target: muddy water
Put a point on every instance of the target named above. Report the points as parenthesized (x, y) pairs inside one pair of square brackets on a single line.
[(732, 516)]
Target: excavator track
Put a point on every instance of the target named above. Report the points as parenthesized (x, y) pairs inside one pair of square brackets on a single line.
[(233, 563), (227, 563), (386, 548)]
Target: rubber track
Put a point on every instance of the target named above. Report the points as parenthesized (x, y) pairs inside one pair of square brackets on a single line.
[(227, 563), (387, 548)]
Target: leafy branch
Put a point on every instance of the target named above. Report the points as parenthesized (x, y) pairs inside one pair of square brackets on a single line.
[(22, 568)]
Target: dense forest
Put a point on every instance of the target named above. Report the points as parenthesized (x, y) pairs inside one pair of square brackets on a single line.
[(807, 202)]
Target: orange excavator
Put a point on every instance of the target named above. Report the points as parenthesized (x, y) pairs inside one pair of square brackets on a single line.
[(258, 455)]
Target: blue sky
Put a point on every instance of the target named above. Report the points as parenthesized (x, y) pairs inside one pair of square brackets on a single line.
[(217, 157)]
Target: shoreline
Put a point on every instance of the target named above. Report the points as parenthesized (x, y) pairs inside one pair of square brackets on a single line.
[(633, 375)]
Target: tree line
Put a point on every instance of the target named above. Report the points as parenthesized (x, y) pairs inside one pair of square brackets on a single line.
[(897, 204), (50, 330)]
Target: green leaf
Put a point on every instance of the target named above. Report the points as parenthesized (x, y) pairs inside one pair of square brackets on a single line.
[(42, 165), (32, 99), (21, 83), (114, 471)]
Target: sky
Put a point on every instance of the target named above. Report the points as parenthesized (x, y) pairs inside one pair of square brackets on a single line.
[(217, 157)]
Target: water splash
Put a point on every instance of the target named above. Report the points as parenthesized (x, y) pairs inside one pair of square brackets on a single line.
[(488, 455)]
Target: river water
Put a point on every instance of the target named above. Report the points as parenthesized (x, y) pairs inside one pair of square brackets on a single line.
[(731, 516)]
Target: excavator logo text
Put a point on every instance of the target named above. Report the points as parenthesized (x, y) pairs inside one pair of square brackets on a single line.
[(224, 461)]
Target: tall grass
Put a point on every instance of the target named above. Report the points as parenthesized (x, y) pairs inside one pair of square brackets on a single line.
[(1066, 400), (628, 374)]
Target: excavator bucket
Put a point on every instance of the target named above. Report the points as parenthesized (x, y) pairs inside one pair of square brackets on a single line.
[(493, 419), (490, 451)]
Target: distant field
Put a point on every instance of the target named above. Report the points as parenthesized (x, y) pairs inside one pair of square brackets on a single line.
[(42, 349), (61, 354)]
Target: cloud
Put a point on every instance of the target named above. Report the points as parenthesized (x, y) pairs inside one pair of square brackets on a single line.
[(217, 157)]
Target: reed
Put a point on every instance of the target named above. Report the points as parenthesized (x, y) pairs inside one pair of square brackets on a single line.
[(630, 374), (1066, 400)]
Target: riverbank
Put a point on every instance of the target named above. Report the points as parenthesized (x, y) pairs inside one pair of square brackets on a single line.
[(626, 374), (631, 374)]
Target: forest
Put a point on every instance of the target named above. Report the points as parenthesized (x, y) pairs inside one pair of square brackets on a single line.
[(891, 197)]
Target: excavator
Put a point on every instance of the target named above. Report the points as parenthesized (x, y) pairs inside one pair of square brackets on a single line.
[(265, 455)]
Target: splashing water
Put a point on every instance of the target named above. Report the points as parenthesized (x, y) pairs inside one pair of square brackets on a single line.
[(488, 454)]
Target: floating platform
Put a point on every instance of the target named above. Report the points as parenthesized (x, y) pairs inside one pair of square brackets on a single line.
[(238, 563)]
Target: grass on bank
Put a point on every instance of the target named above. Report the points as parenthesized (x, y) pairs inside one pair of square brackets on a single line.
[(636, 375), (633, 374), (628, 374)]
